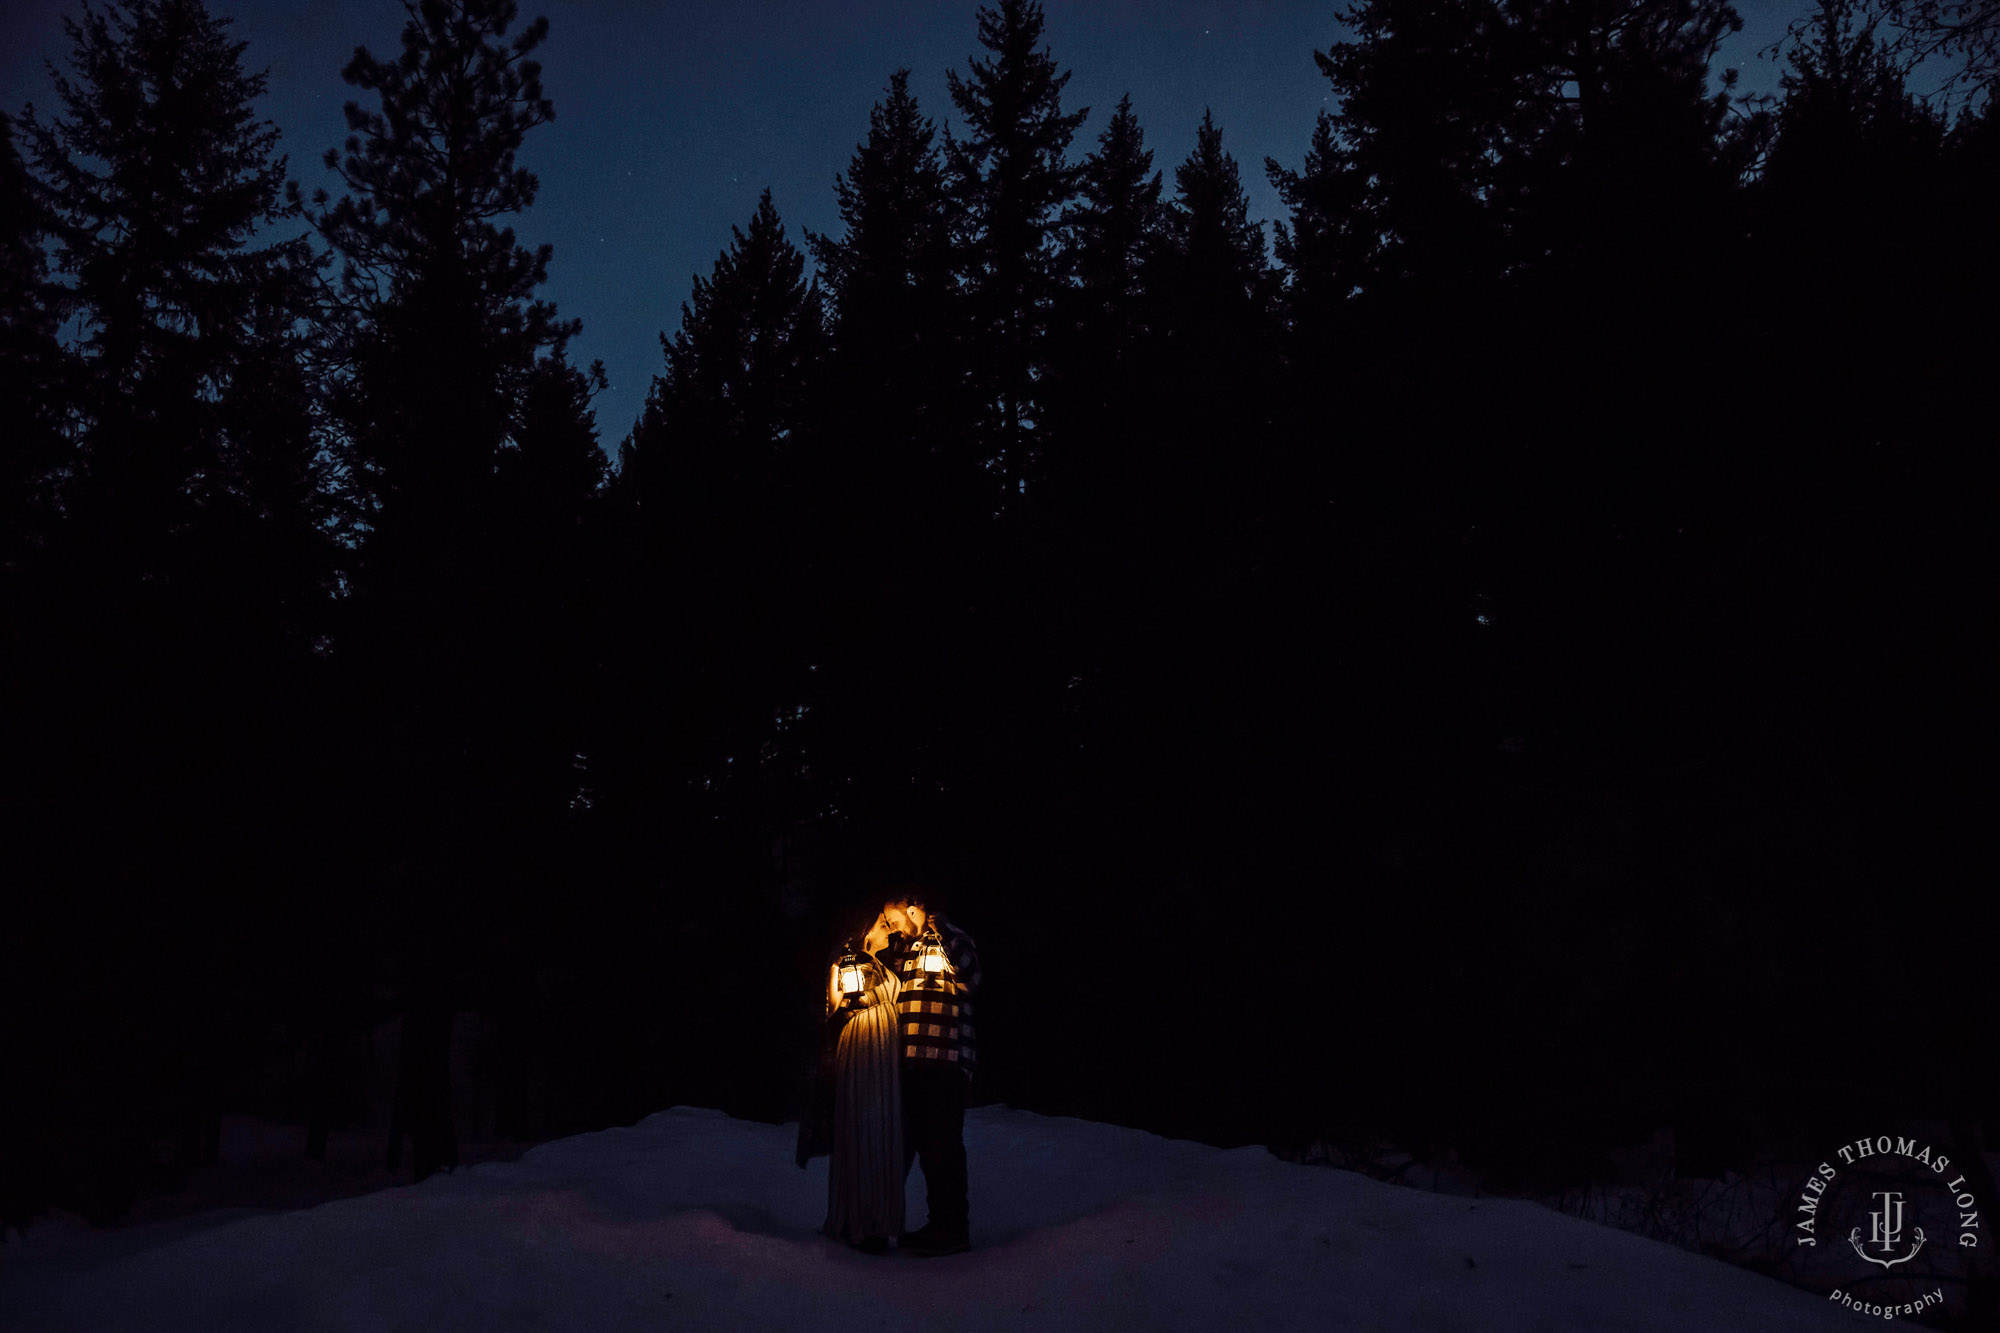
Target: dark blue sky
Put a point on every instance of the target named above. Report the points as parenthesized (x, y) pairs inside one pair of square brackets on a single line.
[(671, 115)]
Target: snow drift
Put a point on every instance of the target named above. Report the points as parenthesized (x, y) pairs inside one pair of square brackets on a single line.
[(692, 1220)]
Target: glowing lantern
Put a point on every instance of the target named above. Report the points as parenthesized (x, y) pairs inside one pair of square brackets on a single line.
[(930, 952), (853, 973)]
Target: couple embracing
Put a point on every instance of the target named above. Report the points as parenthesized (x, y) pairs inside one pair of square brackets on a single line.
[(897, 1058)]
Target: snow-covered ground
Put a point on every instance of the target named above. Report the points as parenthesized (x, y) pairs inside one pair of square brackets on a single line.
[(692, 1220)]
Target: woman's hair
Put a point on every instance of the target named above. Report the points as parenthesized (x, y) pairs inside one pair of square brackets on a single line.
[(909, 895), (855, 921)]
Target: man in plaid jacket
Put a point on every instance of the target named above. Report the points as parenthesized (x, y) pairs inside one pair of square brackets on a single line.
[(939, 1055)]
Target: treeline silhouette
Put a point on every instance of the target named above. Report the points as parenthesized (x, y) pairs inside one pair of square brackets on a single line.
[(1492, 662)]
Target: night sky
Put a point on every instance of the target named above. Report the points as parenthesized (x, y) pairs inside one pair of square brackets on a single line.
[(671, 116)]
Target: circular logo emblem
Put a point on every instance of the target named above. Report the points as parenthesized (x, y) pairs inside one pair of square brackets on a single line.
[(1891, 1227)]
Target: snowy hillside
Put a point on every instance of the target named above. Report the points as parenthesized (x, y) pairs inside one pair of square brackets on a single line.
[(691, 1220)]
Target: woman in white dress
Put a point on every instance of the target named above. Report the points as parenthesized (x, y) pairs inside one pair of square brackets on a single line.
[(864, 1203)]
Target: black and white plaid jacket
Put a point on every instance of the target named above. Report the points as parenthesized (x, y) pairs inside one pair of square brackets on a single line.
[(936, 1009)]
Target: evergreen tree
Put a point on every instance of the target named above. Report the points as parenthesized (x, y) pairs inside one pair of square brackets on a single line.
[(1319, 247), (1617, 142), (1113, 233), (715, 633), (445, 329), (1874, 318), (1012, 178), (1211, 466), (1212, 289), (1617, 189), (717, 426), (1115, 225), (168, 634), (554, 453), (1852, 184), (454, 368), (1418, 97), (901, 495), (1217, 252), (158, 175), (709, 481), (888, 271), (33, 456), (551, 486), (447, 348), (1456, 121), (889, 395), (1518, 173), (891, 398)]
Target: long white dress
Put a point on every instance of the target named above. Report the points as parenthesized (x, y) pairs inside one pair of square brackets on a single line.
[(864, 1186)]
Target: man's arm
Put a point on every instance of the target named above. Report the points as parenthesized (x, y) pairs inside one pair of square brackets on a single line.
[(964, 961)]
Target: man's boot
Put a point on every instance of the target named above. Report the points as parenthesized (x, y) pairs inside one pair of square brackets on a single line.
[(932, 1242)]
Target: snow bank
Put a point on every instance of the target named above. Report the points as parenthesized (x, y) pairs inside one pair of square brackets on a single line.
[(691, 1220)]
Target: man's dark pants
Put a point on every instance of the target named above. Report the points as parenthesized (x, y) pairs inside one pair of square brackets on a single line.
[(934, 1133)]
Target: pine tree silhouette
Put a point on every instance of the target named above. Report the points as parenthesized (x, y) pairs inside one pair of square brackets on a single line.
[(1318, 247), (1012, 178), (157, 176), (454, 363), (1218, 252), (1113, 237), (182, 591), (890, 399), (717, 516), (901, 495), (887, 272), (1114, 228), (446, 326), (556, 543), (718, 422), (709, 491), (1212, 291), (33, 455)]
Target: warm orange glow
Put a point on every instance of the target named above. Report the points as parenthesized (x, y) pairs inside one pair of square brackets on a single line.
[(932, 953)]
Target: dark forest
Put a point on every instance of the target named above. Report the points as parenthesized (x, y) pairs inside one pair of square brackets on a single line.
[(1493, 660)]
